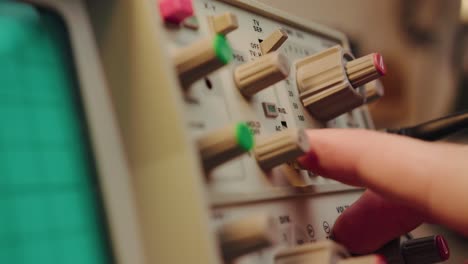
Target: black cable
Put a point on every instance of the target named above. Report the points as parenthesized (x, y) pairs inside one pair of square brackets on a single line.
[(435, 129)]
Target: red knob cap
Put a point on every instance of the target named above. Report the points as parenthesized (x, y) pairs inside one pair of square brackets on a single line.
[(379, 64), (175, 11), (443, 248)]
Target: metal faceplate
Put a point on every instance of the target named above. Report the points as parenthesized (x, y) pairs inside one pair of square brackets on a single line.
[(179, 205), (239, 188), (215, 101)]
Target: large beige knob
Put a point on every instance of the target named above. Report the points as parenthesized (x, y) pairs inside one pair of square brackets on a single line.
[(328, 82), (254, 76), (201, 58), (246, 236), (225, 144), (280, 148)]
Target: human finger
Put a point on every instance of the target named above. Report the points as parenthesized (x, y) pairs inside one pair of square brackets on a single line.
[(427, 177), (372, 221)]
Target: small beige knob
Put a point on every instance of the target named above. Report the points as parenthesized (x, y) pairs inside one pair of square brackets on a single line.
[(225, 144), (374, 91), (326, 252), (293, 176), (365, 69), (254, 76), (274, 41), (246, 236), (223, 24), (281, 147), (201, 58), (326, 81), (369, 259)]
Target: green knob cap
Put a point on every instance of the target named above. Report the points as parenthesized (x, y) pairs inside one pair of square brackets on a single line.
[(244, 136), (222, 49)]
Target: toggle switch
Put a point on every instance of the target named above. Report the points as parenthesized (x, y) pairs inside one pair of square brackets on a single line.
[(374, 91), (280, 148), (175, 11), (223, 24), (201, 58), (328, 82), (426, 250), (246, 236), (274, 41), (254, 76), (225, 144)]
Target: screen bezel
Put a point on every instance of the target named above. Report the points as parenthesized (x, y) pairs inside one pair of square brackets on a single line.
[(104, 137)]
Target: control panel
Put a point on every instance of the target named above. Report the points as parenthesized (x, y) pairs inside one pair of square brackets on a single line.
[(251, 84), (240, 68), (214, 99)]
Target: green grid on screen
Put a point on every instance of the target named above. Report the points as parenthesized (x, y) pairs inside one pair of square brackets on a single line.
[(50, 209)]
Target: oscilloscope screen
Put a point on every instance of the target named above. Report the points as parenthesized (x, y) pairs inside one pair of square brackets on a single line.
[(50, 204)]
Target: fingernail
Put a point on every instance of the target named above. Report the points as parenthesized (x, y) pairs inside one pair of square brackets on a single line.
[(309, 161)]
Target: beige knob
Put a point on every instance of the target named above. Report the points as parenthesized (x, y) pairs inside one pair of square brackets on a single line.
[(254, 76), (293, 176), (370, 259), (281, 148), (223, 24), (201, 58), (225, 144), (374, 91), (323, 252), (274, 41), (246, 236), (365, 69), (325, 81)]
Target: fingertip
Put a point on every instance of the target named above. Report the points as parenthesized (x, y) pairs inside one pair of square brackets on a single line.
[(372, 222), (330, 156)]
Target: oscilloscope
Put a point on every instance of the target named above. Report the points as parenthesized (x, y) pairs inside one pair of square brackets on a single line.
[(167, 132)]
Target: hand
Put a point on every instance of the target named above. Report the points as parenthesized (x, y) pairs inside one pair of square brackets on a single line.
[(408, 182)]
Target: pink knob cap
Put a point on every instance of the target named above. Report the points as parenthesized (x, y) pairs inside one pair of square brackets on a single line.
[(175, 11), (379, 64), (443, 248)]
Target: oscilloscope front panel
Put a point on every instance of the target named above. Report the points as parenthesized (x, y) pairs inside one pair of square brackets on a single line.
[(181, 206), (214, 101), (240, 188)]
